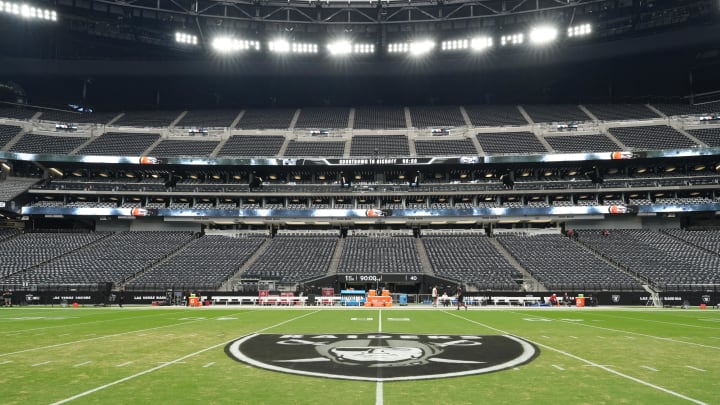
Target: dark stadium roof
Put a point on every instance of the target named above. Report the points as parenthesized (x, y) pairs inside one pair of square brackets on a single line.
[(122, 55)]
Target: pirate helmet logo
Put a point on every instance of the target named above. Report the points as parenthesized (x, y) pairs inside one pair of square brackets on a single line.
[(382, 357)]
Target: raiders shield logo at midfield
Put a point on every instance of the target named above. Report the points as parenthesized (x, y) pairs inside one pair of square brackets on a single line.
[(383, 356)]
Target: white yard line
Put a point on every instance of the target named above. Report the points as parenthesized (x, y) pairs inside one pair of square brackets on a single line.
[(558, 367), (695, 368), (91, 339), (379, 385), (178, 360), (127, 363), (40, 364), (82, 364), (208, 365), (641, 334), (65, 325), (655, 321), (592, 363), (649, 368)]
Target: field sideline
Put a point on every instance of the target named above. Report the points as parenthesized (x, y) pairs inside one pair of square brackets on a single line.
[(174, 355)]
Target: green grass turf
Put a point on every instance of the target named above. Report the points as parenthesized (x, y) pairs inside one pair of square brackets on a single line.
[(121, 355)]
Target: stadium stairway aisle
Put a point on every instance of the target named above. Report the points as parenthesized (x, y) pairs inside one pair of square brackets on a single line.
[(235, 279), (424, 260), (534, 284), (164, 259), (335, 261)]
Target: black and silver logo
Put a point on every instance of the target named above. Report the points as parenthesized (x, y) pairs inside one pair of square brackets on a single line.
[(382, 356), (615, 298)]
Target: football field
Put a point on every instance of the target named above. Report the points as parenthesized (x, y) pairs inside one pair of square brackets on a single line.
[(340, 355)]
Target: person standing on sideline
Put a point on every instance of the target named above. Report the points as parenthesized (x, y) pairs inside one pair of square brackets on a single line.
[(460, 298), (434, 296), (7, 298)]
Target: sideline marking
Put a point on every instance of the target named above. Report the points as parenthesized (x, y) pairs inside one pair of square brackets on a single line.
[(649, 368), (180, 359), (589, 362), (695, 368)]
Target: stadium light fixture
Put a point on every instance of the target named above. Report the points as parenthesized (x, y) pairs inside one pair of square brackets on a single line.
[(399, 47), (224, 44), (415, 48), (363, 48), (185, 38), (579, 30), (27, 11), (543, 35), (302, 47), (421, 47), (513, 39), (455, 45), (340, 48), (283, 46), (481, 43), (279, 46)]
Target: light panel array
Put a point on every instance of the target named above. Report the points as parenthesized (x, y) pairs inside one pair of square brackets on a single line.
[(347, 47), (480, 43), (184, 38), (455, 45), (340, 48), (476, 44), (415, 48), (539, 35), (232, 45), (363, 48), (399, 47), (514, 39), (27, 11), (421, 47), (283, 46), (300, 47), (579, 30), (543, 35)]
